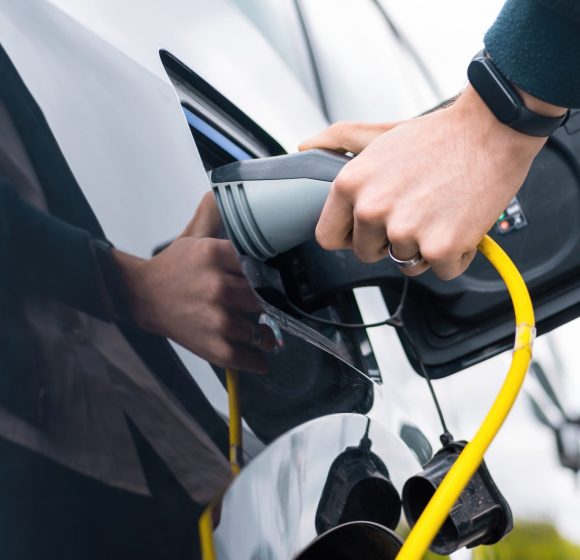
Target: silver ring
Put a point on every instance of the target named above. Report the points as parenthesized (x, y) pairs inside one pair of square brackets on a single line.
[(408, 263), (256, 336)]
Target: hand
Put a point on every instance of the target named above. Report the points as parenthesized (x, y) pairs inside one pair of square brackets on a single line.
[(435, 185), (195, 293)]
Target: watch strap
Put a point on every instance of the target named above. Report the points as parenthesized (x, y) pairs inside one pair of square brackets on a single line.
[(534, 124), (504, 101)]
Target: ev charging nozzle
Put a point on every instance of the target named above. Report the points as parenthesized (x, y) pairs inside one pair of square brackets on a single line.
[(271, 205)]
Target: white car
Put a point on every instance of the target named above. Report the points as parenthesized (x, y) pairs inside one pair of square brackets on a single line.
[(122, 107)]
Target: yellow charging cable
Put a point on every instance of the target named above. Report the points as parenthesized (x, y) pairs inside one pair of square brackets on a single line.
[(235, 436), (468, 462), (233, 387)]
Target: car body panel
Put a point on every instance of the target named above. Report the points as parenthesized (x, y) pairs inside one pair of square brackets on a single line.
[(95, 70), (105, 57)]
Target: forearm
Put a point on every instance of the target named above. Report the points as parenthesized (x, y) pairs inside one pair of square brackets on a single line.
[(470, 110), (46, 256), (470, 107)]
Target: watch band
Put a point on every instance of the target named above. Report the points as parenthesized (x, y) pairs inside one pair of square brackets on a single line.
[(505, 103)]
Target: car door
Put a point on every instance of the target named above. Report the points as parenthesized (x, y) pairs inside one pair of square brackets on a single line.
[(137, 128)]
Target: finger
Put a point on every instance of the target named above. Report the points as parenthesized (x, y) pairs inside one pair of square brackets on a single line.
[(346, 136), (468, 258), (334, 229), (235, 293), (267, 338), (206, 221), (369, 237), (452, 268), (240, 329), (407, 249), (416, 270), (224, 256)]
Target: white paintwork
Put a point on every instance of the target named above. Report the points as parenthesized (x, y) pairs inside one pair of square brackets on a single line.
[(286, 482), (94, 68), (365, 73), (279, 22)]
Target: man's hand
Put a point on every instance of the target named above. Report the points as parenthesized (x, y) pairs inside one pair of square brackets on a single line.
[(435, 185), (195, 293)]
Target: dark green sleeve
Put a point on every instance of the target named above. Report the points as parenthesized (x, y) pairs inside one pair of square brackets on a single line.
[(536, 45)]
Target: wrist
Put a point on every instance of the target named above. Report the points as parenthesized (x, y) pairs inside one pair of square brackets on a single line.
[(472, 109), (133, 273), (506, 103), (539, 106)]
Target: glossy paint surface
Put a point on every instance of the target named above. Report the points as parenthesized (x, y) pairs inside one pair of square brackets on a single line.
[(269, 511)]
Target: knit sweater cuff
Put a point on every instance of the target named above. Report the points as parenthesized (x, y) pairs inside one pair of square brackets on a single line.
[(536, 45)]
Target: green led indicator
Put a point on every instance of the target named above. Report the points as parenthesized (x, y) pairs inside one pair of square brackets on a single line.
[(502, 217)]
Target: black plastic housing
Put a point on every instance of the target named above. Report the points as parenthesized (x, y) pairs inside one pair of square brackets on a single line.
[(480, 516), (358, 488), (459, 323)]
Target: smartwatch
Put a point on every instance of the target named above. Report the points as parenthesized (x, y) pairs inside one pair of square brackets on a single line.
[(504, 101)]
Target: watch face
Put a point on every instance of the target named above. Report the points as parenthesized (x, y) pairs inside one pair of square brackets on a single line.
[(494, 90)]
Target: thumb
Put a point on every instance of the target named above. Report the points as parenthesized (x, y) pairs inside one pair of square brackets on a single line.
[(346, 136), (206, 221)]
